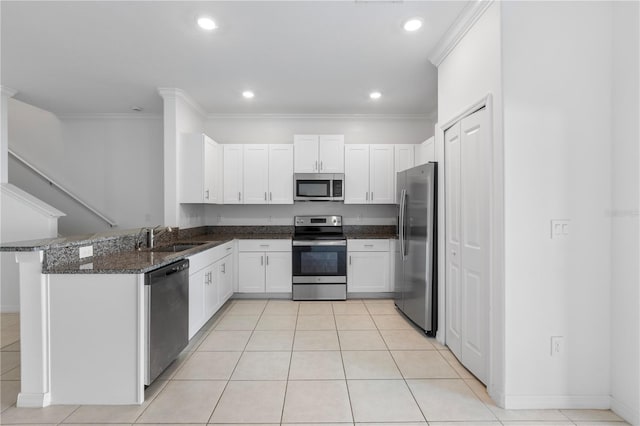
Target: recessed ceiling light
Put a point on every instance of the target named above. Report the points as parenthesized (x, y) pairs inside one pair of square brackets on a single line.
[(413, 24), (375, 95), (248, 94), (207, 23)]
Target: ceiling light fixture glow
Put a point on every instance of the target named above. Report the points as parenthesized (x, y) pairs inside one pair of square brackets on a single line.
[(375, 95), (248, 94), (207, 23), (413, 24)]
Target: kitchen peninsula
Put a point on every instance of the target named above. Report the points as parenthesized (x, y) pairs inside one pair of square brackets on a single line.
[(83, 320)]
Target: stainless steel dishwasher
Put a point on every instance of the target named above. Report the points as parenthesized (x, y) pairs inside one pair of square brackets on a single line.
[(167, 316)]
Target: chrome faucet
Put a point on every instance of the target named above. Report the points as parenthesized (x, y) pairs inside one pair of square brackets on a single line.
[(151, 237)]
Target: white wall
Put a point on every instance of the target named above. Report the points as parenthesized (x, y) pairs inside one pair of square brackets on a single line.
[(467, 75), (356, 129), (110, 161), (557, 79), (625, 282), (280, 129), (181, 115)]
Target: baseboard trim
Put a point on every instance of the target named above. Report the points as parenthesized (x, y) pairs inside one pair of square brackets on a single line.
[(34, 400), (10, 309), (626, 412), (517, 402)]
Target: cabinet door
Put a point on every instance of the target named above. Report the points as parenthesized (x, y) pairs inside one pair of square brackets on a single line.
[(381, 174), (256, 174), (356, 176), (225, 280), (305, 149), (251, 272), (281, 174), (196, 301), (331, 154), (278, 272), (404, 156), (426, 151), (210, 195), (212, 283), (368, 271), (232, 185), (191, 173)]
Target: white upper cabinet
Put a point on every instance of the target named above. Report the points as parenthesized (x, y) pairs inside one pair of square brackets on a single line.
[(369, 174), (200, 172), (281, 174), (305, 153), (381, 174), (356, 176), (404, 156), (318, 153), (233, 174), (256, 174), (426, 151)]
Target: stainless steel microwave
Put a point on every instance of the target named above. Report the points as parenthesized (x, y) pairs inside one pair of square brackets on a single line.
[(318, 187)]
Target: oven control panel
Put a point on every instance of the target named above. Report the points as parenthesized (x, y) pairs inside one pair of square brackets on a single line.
[(318, 221)]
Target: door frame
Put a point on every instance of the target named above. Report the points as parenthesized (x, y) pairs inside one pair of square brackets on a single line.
[(496, 355)]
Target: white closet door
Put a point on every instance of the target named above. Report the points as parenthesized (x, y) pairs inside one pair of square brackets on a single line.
[(452, 253), (474, 183)]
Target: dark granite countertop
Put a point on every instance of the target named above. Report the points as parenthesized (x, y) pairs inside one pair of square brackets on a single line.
[(114, 253)]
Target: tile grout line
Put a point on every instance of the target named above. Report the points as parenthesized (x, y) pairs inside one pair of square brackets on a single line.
[(344, 370), (215, 406), (286, 386)]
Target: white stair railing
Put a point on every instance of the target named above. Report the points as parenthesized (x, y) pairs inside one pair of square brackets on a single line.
[(70, 194)]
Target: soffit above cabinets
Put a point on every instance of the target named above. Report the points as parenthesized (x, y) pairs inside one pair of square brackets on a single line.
[(297, 57)]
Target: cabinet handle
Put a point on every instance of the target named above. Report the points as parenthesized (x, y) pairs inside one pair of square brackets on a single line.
[(238, 195), (261, 260), (368, 245), (371, 195), (270, 196), (316, 166), (321, 165), (264, 245), (349, 260), (267, 260), (224, 268), (228, 248), (206, 194), (366, 196)]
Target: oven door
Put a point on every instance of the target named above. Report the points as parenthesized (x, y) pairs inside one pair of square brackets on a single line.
[(319, 261)]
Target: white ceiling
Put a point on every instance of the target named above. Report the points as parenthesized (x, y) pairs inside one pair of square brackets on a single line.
[(320, 57)]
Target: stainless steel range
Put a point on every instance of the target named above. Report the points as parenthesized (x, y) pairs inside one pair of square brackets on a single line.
[(319, 258)]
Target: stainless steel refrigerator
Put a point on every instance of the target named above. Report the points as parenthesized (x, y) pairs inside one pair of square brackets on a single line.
[(416, 289)]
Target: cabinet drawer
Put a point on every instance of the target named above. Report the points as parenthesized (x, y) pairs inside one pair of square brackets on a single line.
[(200, 260), (264, 245), (368, 245)]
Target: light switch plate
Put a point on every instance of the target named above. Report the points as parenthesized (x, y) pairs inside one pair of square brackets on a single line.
[(559, 228), (86, 251)]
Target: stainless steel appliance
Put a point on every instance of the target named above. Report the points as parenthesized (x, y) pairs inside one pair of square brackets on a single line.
[(416, 289), (167, 316), (318, 187), (319, 258)]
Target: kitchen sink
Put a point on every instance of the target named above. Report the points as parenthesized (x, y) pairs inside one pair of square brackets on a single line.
[(175, 248)]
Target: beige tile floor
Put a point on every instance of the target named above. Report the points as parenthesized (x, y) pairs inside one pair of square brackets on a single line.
[(281, 362)]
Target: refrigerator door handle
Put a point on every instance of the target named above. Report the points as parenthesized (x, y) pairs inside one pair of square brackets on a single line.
[(404, 225), (403, 194)]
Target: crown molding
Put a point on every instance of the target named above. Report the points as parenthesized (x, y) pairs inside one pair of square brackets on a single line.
[(463, 23), (8, 92), (110, 116), (215, 116), (172, 92)]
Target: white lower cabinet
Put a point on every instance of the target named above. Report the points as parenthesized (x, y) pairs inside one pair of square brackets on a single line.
[(210, 284), (264, 266), (368, 266)]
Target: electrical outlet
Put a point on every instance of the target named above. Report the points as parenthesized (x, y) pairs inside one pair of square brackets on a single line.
[(86, 251), (557, 345), (559, 228)]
